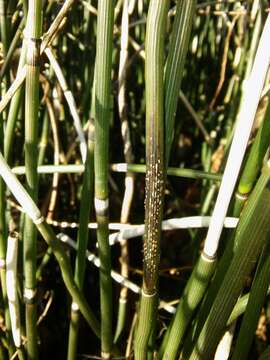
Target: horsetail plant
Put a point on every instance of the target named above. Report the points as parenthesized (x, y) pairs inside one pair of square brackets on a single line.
[(206, 263), (121, 167), (253, 163), (175, 64), (256, 299), (33, 34), (155, 176), (198, 119), (70, 100), (86, 200), (250, 241), (128, 154), (103, 67), (32, 211)]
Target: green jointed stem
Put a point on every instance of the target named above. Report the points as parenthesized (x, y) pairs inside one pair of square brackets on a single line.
[(248, 177), (189, 301), (8, 145), (12, 47), (253, 163), (148, 310), (175, 64), (154, 187), (252, 232), (4, 26), (257, 297), (13, 111), (33, 33), (66, 271), (240, 307), (103, 68), (256, 155), (3, 248), (82, 240), (3, 226), (137, 168), (129, 158), (33, 212)]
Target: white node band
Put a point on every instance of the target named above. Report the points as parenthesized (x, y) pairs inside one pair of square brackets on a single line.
[(39, 221), (101, 206), (74, 307), (148, 295), (29, 294), (2, 263)]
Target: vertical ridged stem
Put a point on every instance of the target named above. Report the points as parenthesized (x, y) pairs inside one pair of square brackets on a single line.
[(13, 111), (242, 132), (4, 28), (12, 47), (256, 300), (250, 239), (253, 163), (32, 211), (147, 316), (82, 240), (246, 182), (103, 68), (70, 100), (3, 246), (129, 178), (154, 186), (33, 33), (175, 64), (190, 299)]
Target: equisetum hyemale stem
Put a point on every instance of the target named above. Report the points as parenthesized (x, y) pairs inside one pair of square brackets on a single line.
[(251, 235), (154, 187), (83, 234), (32, 34), (70, 100), (102, 101), (238, 147), (128, 154), (32, 211), (175, 64)]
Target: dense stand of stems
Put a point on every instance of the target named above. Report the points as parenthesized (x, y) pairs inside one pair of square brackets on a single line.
[(211, 300), (252, 313), (32, 211), (250, 238)]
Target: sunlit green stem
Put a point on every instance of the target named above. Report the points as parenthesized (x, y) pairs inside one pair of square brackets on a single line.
[(86, 201), (175, 64), (33, 33), (252, 232), (103, 67), (256, 299)]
